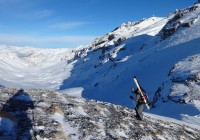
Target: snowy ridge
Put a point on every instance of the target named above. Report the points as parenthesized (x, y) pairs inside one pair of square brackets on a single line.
[(51, 115), (150, 26), (140, 27)]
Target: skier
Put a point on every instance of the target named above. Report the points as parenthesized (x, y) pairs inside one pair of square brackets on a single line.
[(140, 102)]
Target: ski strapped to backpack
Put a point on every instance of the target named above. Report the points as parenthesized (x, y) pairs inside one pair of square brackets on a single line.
[(144, 97)]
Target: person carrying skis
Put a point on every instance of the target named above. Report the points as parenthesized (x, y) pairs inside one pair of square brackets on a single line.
[(140, 102)]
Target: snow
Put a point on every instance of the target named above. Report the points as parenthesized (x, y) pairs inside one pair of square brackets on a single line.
[(195, 120), (81, 111), (187, 122), (145, 26), (68, 130), (121, 133), (34, 68), (197, 104), (43, 105), (77, 92)]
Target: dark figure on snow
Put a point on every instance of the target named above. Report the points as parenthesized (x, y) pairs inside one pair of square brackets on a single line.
[(112, 59), (140, 102)]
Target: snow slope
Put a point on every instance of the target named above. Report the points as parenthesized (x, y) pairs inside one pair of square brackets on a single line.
[(157, 50), (34, 68)]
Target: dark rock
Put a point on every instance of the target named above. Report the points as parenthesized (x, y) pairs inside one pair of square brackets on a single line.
[(119, 41), (111, 37)]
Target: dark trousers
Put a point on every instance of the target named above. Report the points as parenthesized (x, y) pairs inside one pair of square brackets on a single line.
[(139, 109)]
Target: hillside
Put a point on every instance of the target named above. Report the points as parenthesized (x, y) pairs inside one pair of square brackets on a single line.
[(43, 114), (152, 49), (162, 52)]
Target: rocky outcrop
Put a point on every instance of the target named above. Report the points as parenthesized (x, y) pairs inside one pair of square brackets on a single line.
[(119, 41), (184, 78), (43, 114), (177, 21)]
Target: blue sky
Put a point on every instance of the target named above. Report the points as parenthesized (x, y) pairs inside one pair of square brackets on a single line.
[(69, 23)]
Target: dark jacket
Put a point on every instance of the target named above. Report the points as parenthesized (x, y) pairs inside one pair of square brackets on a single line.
[(138, 95)]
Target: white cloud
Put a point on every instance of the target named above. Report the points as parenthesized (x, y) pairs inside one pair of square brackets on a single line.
[(69, 25), (35, 14), (45, 41)]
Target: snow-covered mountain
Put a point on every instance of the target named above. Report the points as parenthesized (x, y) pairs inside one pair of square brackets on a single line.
[(163, 53), (46, 115), (34, 68)]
